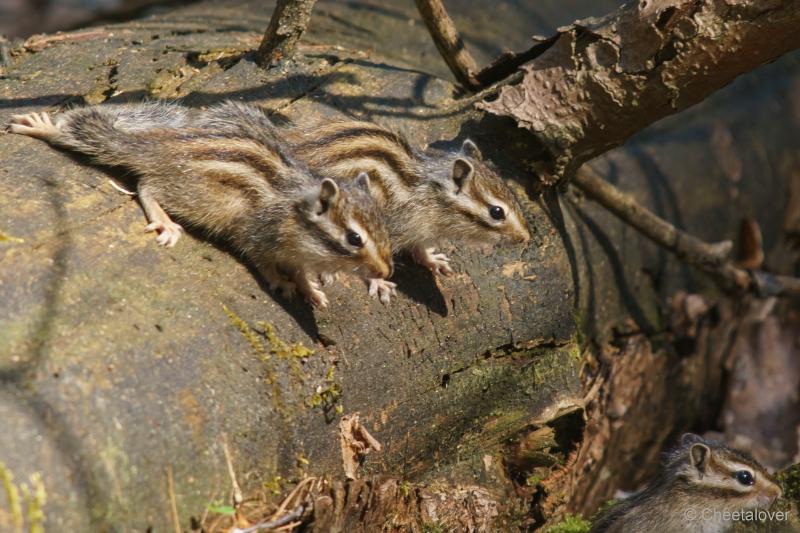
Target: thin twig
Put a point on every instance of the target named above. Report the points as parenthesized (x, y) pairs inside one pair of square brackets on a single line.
[(237, 491), (449, 42), (286, 501), (284, 520), (712, 258), (288, 23), (173, 504), (687, 247)]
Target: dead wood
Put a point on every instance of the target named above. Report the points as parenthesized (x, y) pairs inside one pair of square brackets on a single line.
[(287, 25), (449, 43), (599, 81)]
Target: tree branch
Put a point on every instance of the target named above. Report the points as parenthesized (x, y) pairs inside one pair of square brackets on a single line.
[(288, 22), (712, 258), (449, 42), (600, 81)]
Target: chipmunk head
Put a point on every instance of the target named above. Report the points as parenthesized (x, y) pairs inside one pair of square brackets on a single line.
[(731, 479), (346, 228), (484, 208)]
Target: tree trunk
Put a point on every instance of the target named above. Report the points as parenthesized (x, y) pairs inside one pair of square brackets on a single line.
[(121, 361)]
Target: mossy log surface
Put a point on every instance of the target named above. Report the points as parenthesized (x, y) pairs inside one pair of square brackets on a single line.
[(120, 360)]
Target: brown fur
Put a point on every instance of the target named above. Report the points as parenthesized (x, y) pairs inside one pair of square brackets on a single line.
[(227, 176), (415, 189)]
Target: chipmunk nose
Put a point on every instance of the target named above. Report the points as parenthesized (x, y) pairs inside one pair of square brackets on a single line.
[(388, 269), (382, 267), (524, 236)]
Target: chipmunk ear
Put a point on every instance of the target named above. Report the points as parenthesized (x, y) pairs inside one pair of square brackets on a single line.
[(328, 191), (462, 171), (699, 454), (690, 438), (471, 149), (362, 182)]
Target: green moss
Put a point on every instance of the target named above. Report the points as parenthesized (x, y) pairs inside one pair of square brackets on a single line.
[(34, 497), (274, 485), (293, 353), (431, 527), (327, 395), (8, 238), (261, 351), (12, 496), (789, 480), (249, 334), (570, 524)]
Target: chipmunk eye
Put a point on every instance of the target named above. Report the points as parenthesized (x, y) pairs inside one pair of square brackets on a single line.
[(497, 212), (744, 477), (354, 239)]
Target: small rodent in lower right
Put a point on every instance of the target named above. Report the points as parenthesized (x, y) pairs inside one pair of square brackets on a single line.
[(229, 176), (701, 482)]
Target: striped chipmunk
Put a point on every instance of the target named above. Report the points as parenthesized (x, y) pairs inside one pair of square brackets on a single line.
[(234, 183), (701, 485), (425, 196)]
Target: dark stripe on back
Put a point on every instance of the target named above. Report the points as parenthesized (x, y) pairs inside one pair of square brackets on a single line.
[(377, 154), (361, 131), (268, 167)]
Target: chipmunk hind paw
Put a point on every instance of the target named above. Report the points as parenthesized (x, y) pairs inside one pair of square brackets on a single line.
[(37, 125)]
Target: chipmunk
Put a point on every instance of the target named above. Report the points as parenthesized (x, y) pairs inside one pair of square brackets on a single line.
[(701, 480), (238, 185), (425, 196)]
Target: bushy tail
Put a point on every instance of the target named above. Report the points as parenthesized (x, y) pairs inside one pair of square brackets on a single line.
[(110, 134)]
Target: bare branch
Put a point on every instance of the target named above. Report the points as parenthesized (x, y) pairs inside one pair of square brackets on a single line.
[(288, 22), (712, 258), (600, 81), (449, 42)]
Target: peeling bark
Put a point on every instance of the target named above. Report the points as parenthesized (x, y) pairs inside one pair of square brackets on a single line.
[(601, 81)]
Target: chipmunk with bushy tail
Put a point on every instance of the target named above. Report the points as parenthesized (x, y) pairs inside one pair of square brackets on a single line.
[(701, 482), (236, 183), (425, 196)]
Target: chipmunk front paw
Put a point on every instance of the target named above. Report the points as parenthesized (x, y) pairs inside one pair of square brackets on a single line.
[(438, 263), (316, 297), (382, 289)]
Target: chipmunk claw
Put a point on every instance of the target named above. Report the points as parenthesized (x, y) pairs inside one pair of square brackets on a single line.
[(316, 297), (382, 289), (168, 232), (438, 263)]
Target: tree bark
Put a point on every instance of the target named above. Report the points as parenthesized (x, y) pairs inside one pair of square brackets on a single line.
[(601, 81), (121, 362), (287, 25)]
